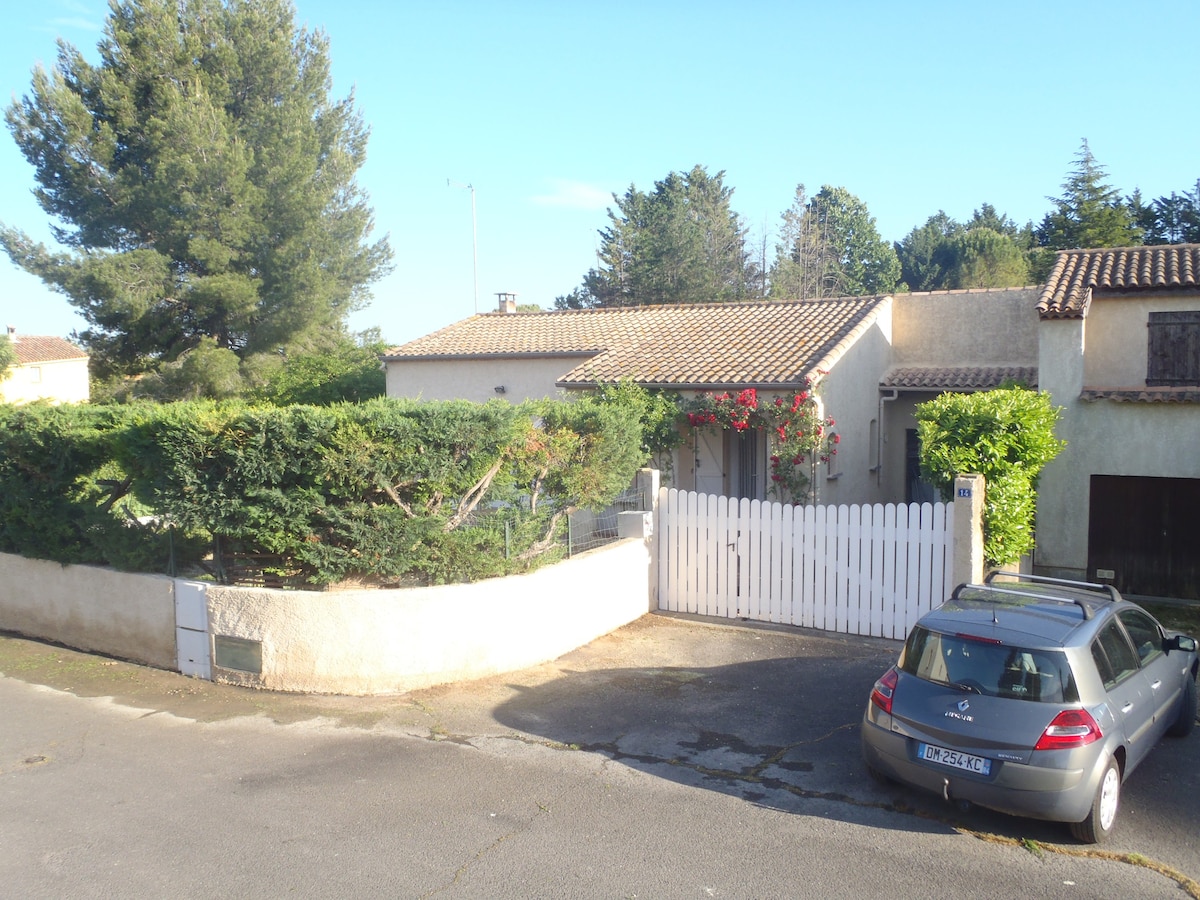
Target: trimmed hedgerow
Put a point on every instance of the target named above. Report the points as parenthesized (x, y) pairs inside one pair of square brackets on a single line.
[(386, 490)]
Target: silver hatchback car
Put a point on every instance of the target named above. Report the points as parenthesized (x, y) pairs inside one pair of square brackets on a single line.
[(1032, 696)]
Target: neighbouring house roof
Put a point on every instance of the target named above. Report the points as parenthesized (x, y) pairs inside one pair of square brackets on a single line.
[(958, 378), (760, 344), (1078, 273), (33, 349)]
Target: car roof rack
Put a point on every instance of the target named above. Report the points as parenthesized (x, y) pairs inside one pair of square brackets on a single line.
[(1108, 589), (1014, 590)]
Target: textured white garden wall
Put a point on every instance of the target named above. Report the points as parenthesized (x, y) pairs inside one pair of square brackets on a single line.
[(90, 608), (386, 641)]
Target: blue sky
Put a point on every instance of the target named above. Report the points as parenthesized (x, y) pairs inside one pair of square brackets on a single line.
[(547, 108)]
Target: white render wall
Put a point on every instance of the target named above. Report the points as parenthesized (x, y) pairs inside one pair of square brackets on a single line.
[(90, 608), (377, 642), (65, 381), (337, 642), (849, 394), (528, 378)]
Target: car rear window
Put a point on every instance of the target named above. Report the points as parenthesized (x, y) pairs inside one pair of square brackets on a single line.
[(981, 666)]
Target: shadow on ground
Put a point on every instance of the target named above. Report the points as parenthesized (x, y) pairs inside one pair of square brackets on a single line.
[(780, 731)]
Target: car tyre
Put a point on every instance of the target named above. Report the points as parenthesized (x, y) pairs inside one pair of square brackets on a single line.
[(1103, 816), (1186, 721)]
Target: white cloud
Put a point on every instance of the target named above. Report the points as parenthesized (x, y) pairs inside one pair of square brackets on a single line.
[(574, 195)]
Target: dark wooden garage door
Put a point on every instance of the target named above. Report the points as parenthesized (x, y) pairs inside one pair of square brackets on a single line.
[(1146, 531)]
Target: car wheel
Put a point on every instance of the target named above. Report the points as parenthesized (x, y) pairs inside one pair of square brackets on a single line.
[(1100, 821), (1186, 721)]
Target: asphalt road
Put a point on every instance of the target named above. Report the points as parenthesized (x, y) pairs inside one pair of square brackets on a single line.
[(673, 758)]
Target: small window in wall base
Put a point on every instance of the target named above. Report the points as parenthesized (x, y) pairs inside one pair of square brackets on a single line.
[(238, 653)]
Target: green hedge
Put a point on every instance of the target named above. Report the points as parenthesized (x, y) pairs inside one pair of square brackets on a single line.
[(386, 490), (1006, 435)]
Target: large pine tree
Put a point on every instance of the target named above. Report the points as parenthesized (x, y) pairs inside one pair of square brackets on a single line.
[(1090, 213), (201, 182), (680, 243)]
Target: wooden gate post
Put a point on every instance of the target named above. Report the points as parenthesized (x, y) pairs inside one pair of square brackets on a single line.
[(967, 561)]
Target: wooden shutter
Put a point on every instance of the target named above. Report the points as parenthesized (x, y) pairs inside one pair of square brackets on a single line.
[(1174, 357)]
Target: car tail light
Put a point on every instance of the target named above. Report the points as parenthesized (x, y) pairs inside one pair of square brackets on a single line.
[(885, 688), (1070, 728)]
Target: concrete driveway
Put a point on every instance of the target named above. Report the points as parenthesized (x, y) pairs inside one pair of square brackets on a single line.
[(675, 757)]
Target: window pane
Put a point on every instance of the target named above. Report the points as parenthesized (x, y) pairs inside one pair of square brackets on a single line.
[(1143, 632), (1120, 654), (996, 670)]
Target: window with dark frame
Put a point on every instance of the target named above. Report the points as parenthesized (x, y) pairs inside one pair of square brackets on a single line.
[(1174, 349)]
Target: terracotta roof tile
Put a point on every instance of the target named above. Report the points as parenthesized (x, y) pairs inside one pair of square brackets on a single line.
[(964, 378), (1077, 273), (1143, 395), (32, 349), (758, 344)]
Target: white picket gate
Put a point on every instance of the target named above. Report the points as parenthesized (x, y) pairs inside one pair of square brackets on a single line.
[(870, 570)]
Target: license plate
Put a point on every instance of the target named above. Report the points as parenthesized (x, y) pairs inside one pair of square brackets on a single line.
[(965, 761)]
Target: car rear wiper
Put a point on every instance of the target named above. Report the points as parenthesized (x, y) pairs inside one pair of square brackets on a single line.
[(966, 688)]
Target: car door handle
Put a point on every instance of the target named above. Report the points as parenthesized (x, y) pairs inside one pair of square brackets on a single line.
[(1156, 685), (1127, 707)]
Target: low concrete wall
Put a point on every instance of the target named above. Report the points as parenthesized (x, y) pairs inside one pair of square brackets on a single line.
[(343, 642), (373, 642), (90, 608)]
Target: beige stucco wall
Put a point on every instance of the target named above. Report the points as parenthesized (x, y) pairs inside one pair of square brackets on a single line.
[(1117, 337), (62, 382), (90, 608), (373, 642), (949, 329), (966, 328), (850, 394), (529, 378), (1104, 437)]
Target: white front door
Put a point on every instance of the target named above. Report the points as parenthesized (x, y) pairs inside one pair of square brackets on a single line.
[(709, 460)]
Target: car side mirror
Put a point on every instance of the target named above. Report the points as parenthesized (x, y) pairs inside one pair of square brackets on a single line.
[(1180, 642)]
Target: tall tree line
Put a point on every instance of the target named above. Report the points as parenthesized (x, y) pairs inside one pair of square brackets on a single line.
[(683, 243)]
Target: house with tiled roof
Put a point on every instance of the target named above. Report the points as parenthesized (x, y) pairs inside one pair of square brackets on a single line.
[(874, 359), (1113, 336), (47, 368), (1119, 351)]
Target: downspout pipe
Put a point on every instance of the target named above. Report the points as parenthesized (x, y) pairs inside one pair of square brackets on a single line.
[(879, 436)]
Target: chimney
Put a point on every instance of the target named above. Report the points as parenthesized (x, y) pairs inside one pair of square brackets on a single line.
[(508, 302), (12, 333)]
